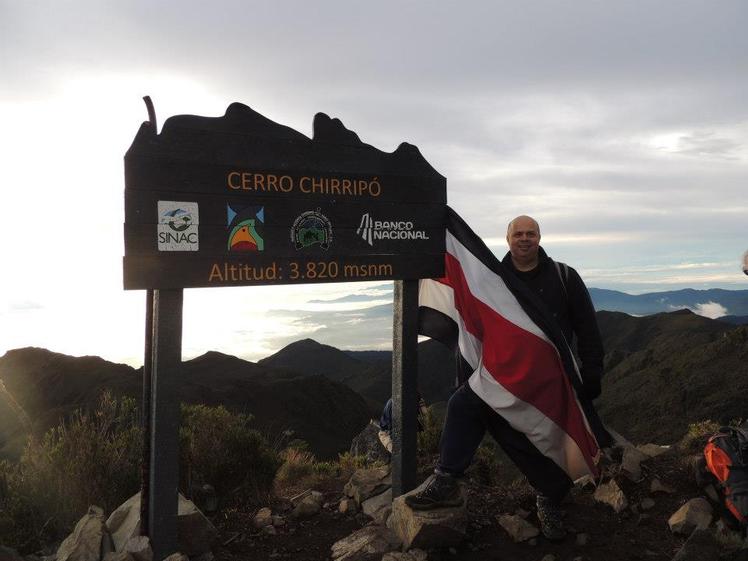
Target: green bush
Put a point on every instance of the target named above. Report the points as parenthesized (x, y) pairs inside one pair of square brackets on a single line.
[(695, 439), (220, 448), (91, 458)]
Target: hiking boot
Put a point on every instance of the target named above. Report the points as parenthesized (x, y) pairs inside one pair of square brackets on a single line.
[(442, 491), (551, 519)]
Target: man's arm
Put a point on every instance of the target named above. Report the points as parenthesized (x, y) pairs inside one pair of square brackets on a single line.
[(589, 341)]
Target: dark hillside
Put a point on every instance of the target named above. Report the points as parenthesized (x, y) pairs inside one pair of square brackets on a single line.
[(653, 393)]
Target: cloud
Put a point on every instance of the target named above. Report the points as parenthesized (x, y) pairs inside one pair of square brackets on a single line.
[(711, 310)]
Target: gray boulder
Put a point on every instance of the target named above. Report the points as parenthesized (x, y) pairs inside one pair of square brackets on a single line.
[(425, 529), (369, 543), (309, 506), (195, 533), (365, 483), (611, 494), (517, 527), (140, 548), (84, 544), (379, 507), (118, 556), (695, 514), (367, 444)]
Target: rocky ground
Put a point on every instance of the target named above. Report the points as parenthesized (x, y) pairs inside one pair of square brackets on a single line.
[(597, 532)]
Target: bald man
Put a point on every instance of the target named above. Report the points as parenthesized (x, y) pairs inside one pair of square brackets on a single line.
[(469, 417)]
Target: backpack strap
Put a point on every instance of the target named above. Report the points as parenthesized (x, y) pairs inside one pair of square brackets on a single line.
[(562, 269)]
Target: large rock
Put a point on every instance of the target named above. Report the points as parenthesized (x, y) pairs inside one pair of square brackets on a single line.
[(367, 544), (700, 546), (425, 529), (367, 444), (365, 483), (309, 506), (378, 507), (195, 533), (84, 544), (695, 514), (517, 527), (630, 464), (610, 494), (140, 548)]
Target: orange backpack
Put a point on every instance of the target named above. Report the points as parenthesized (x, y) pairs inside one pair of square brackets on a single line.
[(726, 456)]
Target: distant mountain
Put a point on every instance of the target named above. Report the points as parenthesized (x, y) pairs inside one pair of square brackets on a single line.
[(48, 386), (369, 373), (735, 302), (734, 320)]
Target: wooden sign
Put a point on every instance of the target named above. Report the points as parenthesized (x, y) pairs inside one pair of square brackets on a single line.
[(241, 200)]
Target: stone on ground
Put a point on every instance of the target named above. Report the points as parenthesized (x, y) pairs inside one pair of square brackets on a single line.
[(379, 507), (696, 513), (631, 462), (658, 486), (309, 506), (367, 544), (140, 548), (347, 506), (610, 494), (426, 529), (700, 546), (517, 527), (264, 517), (647, 503), (195, 533), (653, 450), (84, 544), (365, 483)]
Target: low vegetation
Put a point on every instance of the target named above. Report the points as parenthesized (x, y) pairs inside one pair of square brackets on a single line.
[(94, 457)]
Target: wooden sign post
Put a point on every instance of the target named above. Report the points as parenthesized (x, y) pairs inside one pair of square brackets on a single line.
[(240, 200)]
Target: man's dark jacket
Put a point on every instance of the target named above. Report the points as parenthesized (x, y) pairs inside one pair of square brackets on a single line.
[(570, 304)]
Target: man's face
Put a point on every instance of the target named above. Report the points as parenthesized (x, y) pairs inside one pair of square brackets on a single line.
[(523, 238)]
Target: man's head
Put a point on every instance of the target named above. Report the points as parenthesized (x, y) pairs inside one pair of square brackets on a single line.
[(523, 237)]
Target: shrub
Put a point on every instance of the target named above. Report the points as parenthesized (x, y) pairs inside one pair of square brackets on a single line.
[(220, 448), (349, 463), (695, 439), (297, 467), (91, 458)]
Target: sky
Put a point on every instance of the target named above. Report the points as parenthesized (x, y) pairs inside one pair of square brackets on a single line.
[(621, 127)]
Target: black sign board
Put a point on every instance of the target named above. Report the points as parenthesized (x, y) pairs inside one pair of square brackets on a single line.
[(241, 200)]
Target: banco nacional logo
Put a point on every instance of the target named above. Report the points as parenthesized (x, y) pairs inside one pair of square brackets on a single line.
[(177, 228), (310, 228), (372, 230), (245, 228)]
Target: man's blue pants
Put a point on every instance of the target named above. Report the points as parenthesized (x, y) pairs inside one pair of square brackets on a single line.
[(468, 419)]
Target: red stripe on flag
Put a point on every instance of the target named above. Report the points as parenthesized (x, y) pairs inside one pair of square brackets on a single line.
[(524, 364)]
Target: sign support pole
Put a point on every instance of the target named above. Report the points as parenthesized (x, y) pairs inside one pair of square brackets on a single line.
[(166, 361), (145, 413), (404, 386)]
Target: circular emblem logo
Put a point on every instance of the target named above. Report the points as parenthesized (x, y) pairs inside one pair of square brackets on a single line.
[(310, 228)]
